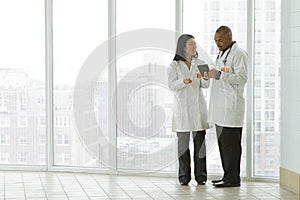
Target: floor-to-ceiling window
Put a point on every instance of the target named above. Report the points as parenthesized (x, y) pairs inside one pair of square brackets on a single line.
[(22, 83), (143, 102), (144, 137), (80, 102), (266, 111), (266, 86), (201, 18)]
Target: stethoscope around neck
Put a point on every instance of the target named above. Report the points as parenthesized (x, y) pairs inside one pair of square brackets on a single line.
[(225, 59)]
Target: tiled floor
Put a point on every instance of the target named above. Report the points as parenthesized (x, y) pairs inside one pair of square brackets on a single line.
[(79, 186)]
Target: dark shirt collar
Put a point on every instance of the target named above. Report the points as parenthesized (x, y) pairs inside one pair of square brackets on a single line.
[(230, 46)]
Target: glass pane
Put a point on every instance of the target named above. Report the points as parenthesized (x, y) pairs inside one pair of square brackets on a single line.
[(267, 28), (80, 83), (209, 16), (144, 137), (136, 14), (22, 82)]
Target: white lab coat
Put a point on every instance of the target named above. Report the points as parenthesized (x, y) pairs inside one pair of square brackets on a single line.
[(227, 103), (189, 107)]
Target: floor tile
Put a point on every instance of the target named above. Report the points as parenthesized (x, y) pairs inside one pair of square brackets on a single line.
[(72, 186)]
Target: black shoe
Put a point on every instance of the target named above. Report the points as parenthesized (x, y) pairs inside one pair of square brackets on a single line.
[(216, 181), (201, 180), (183, 183), (183, 180), (227, 184)]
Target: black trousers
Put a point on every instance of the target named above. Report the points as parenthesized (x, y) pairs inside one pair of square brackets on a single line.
[(229, 141), (199, 154)]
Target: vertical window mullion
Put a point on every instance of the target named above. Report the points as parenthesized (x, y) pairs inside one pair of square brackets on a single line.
[(179, 16), (250, 90), (112, 85), (49, 83)]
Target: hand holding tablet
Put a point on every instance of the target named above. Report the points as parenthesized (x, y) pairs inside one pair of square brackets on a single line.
[(203, 68)]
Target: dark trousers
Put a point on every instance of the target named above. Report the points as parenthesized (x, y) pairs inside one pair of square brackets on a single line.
[(229, 141), (199, 154)]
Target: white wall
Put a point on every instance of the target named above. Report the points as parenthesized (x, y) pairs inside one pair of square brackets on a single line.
[(290, 85)]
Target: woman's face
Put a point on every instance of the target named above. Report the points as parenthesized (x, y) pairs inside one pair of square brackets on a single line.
[(190, 48)]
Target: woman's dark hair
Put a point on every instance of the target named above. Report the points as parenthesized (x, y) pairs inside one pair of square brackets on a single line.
[(180, 55)]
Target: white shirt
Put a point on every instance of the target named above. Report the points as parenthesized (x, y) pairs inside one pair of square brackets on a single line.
[(189, 108)]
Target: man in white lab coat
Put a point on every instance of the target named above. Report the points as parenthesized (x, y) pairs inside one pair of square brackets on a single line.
[(227, 104)]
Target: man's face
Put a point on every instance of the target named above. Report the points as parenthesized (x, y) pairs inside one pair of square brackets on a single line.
[(222, 40)]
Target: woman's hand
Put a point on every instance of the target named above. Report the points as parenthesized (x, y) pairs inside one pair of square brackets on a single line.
[(187, 80), (205, 76)]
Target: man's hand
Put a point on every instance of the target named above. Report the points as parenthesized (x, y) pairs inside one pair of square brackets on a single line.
[(213, 73)]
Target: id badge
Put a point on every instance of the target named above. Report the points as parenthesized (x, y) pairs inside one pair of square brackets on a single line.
[(224, 69)]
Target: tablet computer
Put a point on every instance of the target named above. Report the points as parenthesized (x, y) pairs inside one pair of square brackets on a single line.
[(203, 68)]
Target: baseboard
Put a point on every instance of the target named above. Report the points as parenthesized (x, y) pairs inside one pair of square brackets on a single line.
[(290, 180)]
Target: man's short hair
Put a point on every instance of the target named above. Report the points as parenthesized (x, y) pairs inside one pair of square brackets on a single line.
[(224, 29)]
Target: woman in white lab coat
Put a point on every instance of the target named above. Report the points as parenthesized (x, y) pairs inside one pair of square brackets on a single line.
[(190, 110)]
